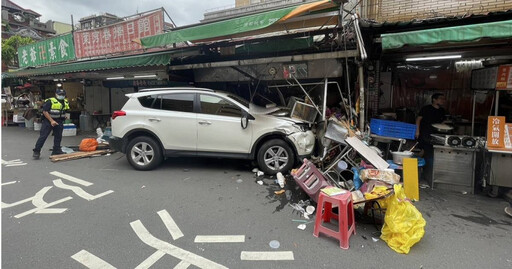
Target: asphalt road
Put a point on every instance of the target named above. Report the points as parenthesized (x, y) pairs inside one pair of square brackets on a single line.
[(104, 213)]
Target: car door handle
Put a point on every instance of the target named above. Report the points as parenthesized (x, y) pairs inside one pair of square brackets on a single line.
[(154, 119), (204, 122)]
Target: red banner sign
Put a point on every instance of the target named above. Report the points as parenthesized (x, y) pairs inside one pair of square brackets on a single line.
[(504, 80), (118, 37)]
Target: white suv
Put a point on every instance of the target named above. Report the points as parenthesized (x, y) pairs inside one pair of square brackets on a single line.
[(159, 123)]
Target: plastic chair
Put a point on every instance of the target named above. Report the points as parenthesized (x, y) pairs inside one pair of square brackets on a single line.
[(310, 179), (345, 217)]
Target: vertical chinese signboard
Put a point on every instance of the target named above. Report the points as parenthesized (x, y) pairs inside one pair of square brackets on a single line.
[(496, 132), (54, 50), (118, 37), (504, 79)]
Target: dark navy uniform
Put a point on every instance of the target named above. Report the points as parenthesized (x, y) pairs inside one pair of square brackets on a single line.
[(57, 110)]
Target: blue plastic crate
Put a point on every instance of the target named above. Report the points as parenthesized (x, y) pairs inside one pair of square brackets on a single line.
[(393, 128)]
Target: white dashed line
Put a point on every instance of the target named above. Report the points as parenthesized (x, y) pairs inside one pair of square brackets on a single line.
[(266, 256), (90, 261), (219, 239), (182, 265), (79, 191), (147, 263), (72, 179), (8, 183), (172, 250), (170, 224)]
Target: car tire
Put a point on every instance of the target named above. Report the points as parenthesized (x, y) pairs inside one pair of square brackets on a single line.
[(144, 153), (272, 151)]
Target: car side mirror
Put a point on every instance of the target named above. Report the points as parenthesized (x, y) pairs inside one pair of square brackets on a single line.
[(244, 121)]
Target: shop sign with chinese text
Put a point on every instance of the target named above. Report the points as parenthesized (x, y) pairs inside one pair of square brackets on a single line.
[(504, 79), (496, 132), (118, 37), (54, 50)]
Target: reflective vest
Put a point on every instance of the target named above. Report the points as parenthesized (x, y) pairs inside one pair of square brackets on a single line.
[(58, 110)]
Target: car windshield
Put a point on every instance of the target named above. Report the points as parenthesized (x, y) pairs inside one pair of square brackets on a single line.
[(239, 100)]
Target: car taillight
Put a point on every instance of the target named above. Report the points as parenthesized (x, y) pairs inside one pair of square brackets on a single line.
[(118, 114)]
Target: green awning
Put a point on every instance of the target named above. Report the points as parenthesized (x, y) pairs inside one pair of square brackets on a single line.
[(276, 45), (221, 28), (103, 64), (234, 26), (501, 29)]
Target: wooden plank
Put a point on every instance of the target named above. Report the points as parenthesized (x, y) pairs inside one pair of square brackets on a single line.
[(77, 155), (411, 178), (368, 153)]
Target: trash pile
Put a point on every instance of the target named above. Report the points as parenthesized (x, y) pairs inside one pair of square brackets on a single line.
[(89, 147)]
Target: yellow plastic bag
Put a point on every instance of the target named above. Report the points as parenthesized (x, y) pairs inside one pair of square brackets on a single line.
[(404, 225)]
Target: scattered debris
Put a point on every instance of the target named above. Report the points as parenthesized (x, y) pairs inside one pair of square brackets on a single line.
[(464, 192), (299, 220), (143, 186), (239, 180), (310, 209), (302, 226), (364, 237), (274, 244), (280, 179), (279, 192), (260, 174), (186, 178), (375, 239), (424, 186), (77, 155), (255, 170), (259, 182)]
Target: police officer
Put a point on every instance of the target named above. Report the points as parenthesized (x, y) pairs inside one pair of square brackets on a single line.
[(54, 112)]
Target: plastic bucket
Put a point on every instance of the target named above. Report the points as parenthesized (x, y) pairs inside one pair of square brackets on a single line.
[(29, 124), (37, 126)]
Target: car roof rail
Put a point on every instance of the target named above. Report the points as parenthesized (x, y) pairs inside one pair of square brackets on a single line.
[(176, 88)]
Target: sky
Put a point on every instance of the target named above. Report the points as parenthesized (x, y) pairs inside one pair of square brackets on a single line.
[(182, 12)]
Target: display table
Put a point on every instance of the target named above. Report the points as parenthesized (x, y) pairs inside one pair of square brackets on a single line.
[(454, 168)]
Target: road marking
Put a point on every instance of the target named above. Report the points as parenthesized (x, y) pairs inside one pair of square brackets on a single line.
[(182, 265), (266, 256), (16, 162), (72, 179), (170, 224), (172, 250), (90, 261), (42, 206), (147, 263), (219, 239), (8, 183), (79, 191)]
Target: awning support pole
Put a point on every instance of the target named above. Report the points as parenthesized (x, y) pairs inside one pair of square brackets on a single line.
[(361, 98), (325, 99), (305, 92), (473, 115)]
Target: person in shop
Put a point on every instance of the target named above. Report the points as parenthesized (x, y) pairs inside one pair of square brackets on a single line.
[(54, 112), (429, 114)]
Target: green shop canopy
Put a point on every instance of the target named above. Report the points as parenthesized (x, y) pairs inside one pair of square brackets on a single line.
[(103, 64), (501, 29), (233, 26)]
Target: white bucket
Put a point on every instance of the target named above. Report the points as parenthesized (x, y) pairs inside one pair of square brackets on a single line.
[(29, 124), (37, 126)]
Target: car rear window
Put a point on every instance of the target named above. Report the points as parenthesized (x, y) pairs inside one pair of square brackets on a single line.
[(150, 101), (183, 102)]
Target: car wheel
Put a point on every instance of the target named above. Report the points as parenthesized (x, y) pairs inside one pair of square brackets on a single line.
[(275, 156), (144, 153)]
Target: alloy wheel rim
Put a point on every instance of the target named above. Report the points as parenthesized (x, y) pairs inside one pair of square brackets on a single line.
[(142, 153), (276, 158)]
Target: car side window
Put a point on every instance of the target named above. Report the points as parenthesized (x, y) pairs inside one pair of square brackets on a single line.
[(219, 106), (150, 101), (183, 102)]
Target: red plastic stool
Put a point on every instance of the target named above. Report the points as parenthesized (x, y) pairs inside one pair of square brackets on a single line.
[(345, 217), (310, 179)]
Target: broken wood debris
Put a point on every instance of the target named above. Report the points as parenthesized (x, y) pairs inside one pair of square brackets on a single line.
[(78, 155)]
